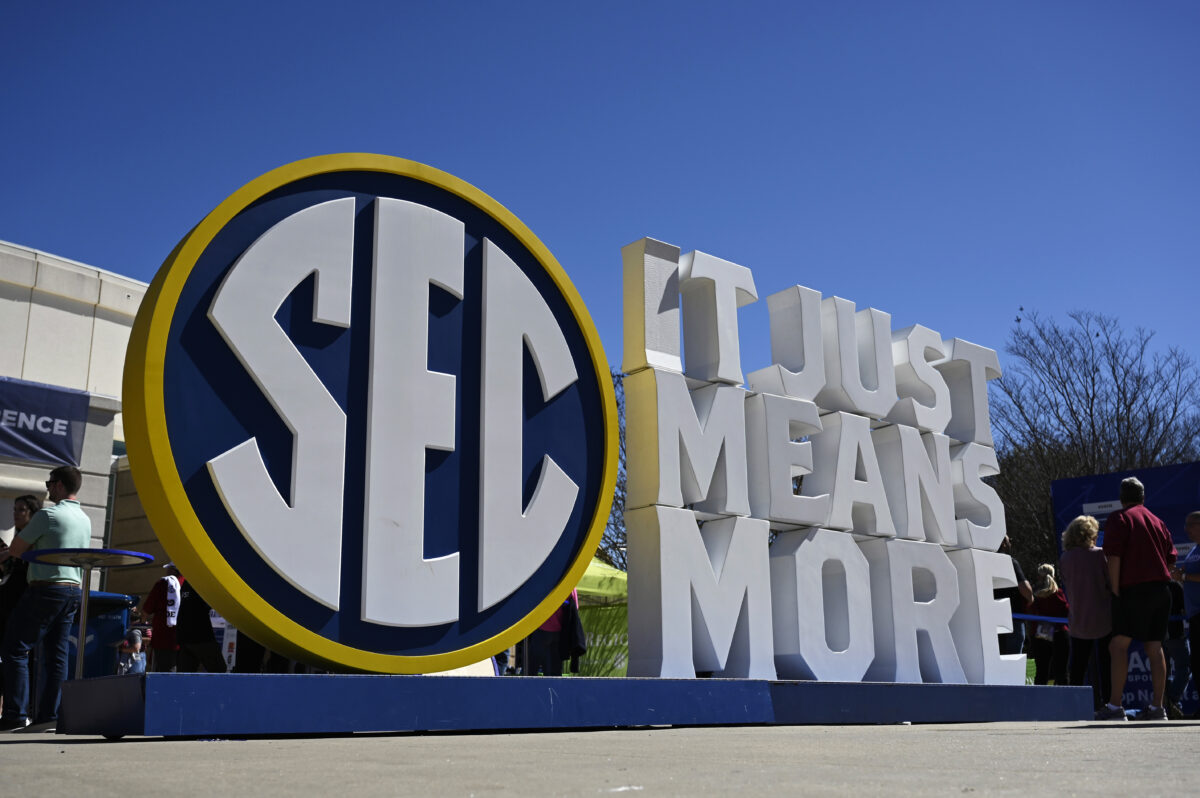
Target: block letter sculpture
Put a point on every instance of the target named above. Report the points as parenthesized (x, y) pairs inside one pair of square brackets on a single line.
[(651, 286), (847, 469), (967, 371), (411, 411), (859, 375), (703, 596), (797, 352), (686, 448), (318, 239), (517, 320), (917, 478), (978, 511), (712, 291), (914, 595), (774, 426), (981, 617), (924, 396), (821, 599), (864, 449)]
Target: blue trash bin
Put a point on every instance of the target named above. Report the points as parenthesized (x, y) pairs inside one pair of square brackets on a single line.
[(108, 620)]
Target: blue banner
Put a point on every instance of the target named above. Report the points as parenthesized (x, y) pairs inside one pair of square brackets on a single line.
[(41, 423), (1171, 493)]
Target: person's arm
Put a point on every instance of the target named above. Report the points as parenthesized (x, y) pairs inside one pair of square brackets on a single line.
[(18, 547), (1114, 574), (24, 540), (1026, 591)]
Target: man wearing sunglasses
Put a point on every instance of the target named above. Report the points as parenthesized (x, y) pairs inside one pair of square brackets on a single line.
[(48, 606)]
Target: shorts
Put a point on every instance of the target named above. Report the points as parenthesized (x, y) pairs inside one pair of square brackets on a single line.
[(1142, 610)]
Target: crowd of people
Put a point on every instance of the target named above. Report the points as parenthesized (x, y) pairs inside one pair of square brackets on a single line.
[(1076, 632), (171, 631), (179, 635), (39, 602), (1079, 632)]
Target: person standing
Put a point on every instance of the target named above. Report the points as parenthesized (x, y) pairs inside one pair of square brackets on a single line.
[(1084, 572), (1048, 641), (198, 646), (47, 608), (162, 608), (1175, 649), (560, 637), (1140, 553), (1019, 598), (13, 573), (542, 646), (1187, 572)]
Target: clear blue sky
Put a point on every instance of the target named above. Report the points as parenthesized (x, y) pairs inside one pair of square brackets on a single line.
[(947, 162)]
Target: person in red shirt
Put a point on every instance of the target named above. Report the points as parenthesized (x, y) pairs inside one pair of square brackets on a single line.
[(1140, 554), (164, 647), (1048, 642)]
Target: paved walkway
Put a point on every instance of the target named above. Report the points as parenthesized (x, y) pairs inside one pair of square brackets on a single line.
[(1057, 759)]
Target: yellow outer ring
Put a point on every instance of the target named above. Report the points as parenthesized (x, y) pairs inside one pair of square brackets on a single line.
[(167, 504)]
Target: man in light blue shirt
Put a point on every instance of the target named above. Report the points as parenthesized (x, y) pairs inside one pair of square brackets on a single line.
[(48, 606)]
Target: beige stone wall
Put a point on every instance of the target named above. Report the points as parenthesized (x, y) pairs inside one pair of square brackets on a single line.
[(67, 324), (131, 531)]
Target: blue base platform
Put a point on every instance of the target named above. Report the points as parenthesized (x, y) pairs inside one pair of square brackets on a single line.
[(242, 705)]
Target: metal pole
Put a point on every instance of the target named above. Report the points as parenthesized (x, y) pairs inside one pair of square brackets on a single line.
[(81, 643)]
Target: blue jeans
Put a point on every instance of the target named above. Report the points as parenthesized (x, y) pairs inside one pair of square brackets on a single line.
[(44, 613), (1177, 663)]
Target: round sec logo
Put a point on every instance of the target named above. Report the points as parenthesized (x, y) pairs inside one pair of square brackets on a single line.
[(369, 416)]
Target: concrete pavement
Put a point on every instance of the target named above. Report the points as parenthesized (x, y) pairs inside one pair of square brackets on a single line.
[(988, 759)]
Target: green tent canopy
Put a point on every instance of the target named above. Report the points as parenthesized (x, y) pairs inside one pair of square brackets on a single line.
[(603, 608), (602, 584)]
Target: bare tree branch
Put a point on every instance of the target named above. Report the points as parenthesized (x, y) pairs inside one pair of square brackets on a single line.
[(1084, 398), (612, 545)]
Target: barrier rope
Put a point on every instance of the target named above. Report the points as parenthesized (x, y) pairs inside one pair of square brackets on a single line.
[(1020, 616)]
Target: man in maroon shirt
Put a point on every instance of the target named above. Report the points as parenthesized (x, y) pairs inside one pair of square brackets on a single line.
[(1140, 553)]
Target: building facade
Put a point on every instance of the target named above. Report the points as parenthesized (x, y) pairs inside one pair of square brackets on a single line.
[(64, 326)]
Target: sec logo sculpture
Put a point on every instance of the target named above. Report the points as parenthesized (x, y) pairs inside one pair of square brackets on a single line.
[(369, 416)]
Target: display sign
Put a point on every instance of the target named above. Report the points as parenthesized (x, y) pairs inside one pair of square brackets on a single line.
[(370, 417), (1172, 492), (860, 450), (41, 423)]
